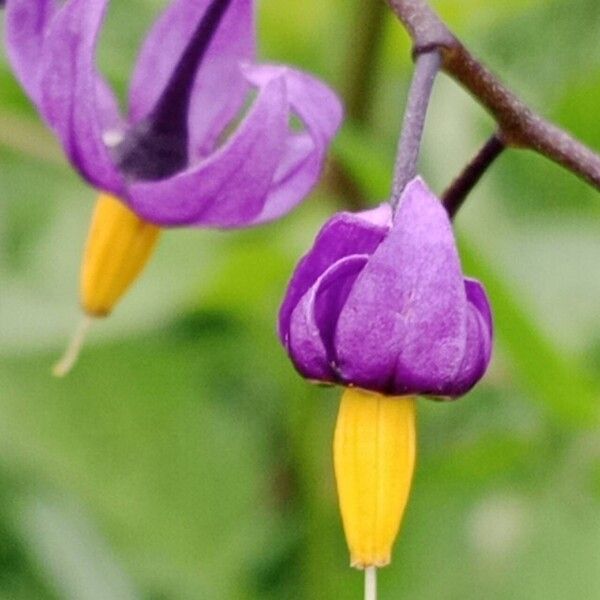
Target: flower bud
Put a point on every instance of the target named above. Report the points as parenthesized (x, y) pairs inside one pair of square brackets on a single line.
[(380, 303)]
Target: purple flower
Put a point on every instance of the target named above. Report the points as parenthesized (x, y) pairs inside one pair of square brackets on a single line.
[(380, 302), (170, 160)]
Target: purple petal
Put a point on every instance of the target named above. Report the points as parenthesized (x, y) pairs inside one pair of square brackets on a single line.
[(108, 112), (403, 327), (478, 349), (220, 87), (312, 323), (230, 187), (321, 113), (74, 99), (343, 235), (26, 26), (477, 297), (476, 357)]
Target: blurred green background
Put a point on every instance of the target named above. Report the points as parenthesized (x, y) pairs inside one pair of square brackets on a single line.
[(184, 458)]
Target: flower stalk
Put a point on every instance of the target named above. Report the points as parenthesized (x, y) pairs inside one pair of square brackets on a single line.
[(427, 66), (521, 127)]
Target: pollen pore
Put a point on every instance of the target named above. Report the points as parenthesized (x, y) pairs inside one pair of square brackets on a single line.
[(374, 458)]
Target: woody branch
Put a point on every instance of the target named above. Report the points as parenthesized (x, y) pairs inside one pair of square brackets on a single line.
[(518, 125)]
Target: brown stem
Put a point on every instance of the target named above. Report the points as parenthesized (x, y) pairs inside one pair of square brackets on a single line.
[(425, 28), (520, 126), (468, 179)]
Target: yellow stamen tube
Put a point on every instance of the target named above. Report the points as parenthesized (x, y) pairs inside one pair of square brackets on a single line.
[(118, 247), (374, 458)]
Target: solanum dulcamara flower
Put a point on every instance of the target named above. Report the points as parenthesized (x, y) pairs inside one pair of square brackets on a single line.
[(380, 305), (170, 161)]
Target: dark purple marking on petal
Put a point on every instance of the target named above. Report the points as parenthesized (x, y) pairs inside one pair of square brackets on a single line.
[(227, 189), (220, 87), (157, 147)]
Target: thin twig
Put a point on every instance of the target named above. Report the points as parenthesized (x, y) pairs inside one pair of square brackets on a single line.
[(461, 187), (426, 68), (520, 126)]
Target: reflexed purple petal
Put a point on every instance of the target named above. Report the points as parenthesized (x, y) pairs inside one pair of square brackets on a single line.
[(343, 235), (321, 112), (411, 295), (220, 86), (229, 188), (26, 24), (312, 323), (73, 98), (107, 107), (292, 181), (299, 147)]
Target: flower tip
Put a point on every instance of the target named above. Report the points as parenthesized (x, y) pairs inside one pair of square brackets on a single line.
[(66, 363), (360, 563)]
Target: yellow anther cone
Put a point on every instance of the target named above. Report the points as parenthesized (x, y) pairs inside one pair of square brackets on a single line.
[(118, 247), (374, 456)]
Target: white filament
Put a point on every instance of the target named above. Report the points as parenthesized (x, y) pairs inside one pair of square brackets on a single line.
[(69, 358), (371, 583)]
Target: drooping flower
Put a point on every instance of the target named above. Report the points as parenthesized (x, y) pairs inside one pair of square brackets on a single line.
[(380, 305), (194, 73), (169, 160)]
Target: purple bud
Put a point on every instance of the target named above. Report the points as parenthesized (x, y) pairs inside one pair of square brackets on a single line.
[(380, 302)]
